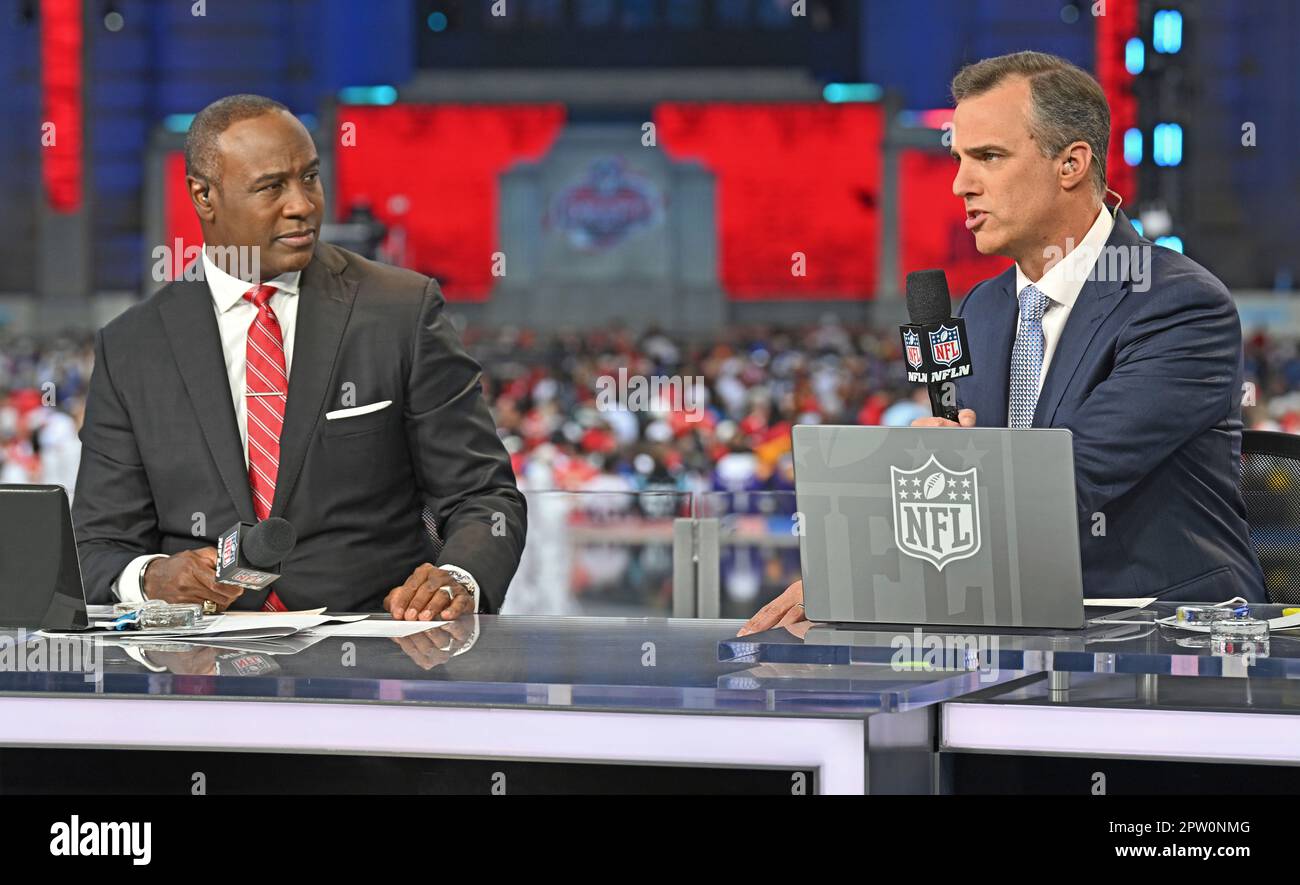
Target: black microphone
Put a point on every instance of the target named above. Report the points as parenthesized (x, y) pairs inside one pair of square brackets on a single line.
[(934, 342), (249, 555)]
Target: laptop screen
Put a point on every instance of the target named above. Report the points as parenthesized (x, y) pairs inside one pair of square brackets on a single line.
[(912, 525), (40, 575)]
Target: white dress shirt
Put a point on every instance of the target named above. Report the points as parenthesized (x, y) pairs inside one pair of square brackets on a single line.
[(235, 314), (1063, 282)]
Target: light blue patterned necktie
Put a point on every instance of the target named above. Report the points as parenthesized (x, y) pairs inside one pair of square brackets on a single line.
[(1027, 357)]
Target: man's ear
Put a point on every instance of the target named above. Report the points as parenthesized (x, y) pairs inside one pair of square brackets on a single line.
[(201, 197), (1076, 165)]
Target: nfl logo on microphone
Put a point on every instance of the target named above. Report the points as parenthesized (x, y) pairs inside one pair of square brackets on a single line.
[(936, 512), (228, 550), (912, 344), (945, 345)]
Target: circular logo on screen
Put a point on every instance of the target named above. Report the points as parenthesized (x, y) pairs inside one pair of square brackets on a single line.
[(606, 206)]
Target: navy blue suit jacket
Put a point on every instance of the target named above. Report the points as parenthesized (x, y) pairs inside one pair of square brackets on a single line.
[(1149, 383)]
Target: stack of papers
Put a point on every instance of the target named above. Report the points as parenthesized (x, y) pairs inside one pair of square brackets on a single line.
[(237, 628)]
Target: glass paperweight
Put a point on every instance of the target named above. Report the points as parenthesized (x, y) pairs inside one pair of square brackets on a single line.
[(1239, 636), (161, 615)]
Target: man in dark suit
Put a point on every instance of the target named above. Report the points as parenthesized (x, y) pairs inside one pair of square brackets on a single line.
[(1132, 347), (295, 379)]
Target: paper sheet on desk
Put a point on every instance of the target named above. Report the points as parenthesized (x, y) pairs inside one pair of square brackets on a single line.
[(232, 625), (372, 628), (305, 612), (273, 645), (105, 613), (261, 626), (360, 626)]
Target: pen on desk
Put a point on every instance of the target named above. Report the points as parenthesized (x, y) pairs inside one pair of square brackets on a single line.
[(128, 621)]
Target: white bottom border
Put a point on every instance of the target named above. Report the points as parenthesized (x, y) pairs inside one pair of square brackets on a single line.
[(834, 747), (1089, 731)]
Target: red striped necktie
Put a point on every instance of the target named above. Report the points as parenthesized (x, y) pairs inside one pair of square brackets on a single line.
[(266, 390)]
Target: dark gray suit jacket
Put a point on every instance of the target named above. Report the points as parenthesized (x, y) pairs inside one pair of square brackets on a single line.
[(162, 466)]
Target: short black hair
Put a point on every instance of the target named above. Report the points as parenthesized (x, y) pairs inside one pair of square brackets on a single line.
[(201, 158), (1067, 103)]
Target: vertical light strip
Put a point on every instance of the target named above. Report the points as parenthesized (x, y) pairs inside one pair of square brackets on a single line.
[(61, 110), (1113, 32)]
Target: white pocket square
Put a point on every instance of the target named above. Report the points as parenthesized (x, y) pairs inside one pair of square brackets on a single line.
[(357, 410)]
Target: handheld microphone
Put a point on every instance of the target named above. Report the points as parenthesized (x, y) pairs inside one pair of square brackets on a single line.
[(249, 555), (934, 342)]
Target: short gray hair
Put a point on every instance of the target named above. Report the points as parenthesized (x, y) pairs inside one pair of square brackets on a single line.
[(202, 160), (1067, 104)]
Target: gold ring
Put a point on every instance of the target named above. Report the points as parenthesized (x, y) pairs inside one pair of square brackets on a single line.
[(209, 607)]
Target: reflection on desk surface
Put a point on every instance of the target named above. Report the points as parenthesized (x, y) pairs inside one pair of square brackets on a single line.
[(604, 664), (496, 649), (1132, 644), (623, 663)]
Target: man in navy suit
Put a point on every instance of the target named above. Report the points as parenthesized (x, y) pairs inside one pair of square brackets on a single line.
[(1132, 347)]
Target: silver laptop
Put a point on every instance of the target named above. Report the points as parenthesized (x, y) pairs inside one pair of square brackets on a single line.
[(938, 526)]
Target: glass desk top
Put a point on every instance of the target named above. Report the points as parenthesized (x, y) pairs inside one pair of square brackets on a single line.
[(1150, 692), (1137, 646), (609, 664)]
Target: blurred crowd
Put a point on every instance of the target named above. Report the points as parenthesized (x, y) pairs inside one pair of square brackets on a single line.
[(756, 384), (42, 395), (1271, 400), (726, 429)]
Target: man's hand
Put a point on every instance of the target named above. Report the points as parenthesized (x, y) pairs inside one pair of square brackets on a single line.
[(965, 418), (785, 609), (189, 576), (436, 645), (422, 597)]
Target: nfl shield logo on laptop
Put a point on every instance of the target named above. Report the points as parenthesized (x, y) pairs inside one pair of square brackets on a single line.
[(936, 512), (912, 344), (945, 345)]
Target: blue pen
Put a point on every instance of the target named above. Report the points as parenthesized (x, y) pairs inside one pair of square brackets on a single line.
[(127, 621)]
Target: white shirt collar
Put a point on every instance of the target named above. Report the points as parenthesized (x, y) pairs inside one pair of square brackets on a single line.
[(227, 290), (1065, 280)]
